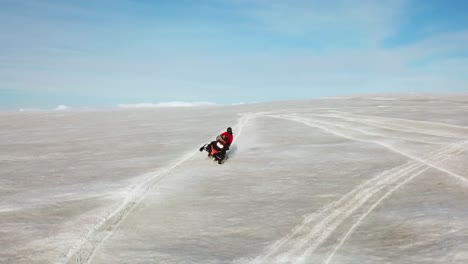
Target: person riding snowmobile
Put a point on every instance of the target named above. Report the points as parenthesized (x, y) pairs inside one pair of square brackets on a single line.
[(226, 138), (229, 138)]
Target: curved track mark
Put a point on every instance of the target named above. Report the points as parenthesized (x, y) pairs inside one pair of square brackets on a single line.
[(390, 147), (334, 214), (363, 216), (388, 123), (307, 237), (372, 133)]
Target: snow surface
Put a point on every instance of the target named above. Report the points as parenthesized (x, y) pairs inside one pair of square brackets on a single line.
[(356, 180)]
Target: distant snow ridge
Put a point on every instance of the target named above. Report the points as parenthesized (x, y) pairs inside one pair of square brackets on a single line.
[(166, 104)]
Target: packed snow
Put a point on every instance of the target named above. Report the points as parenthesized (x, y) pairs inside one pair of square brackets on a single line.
[(364, 179)]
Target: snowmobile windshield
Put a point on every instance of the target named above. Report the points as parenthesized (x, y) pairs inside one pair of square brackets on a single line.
[(220, 145)]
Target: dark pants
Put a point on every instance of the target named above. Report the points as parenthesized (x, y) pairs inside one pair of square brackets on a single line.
[(222, 155), (223, 152)]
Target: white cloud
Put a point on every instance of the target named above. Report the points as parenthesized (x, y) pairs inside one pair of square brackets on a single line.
[(441, 44), (166, 104), (29, 109), (61, 108), (382, 98), (367, 21)]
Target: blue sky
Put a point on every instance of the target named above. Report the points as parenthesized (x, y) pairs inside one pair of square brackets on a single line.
[(104, 53)]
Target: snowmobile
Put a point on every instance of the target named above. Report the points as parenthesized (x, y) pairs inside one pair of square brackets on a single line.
[(215, 149)]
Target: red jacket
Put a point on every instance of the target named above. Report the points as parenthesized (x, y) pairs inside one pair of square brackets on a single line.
[(229, 137)]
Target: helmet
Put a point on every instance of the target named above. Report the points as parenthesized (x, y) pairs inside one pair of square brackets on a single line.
[(229, 130)]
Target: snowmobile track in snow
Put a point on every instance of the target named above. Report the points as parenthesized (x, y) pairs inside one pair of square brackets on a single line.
[(321, 125), (408, 121), (361, 131), (389, 123), (299, 245), (90, 244), (105, 228)]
